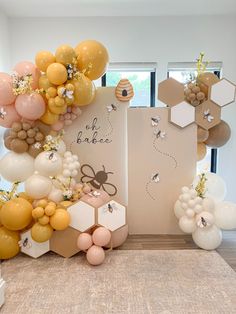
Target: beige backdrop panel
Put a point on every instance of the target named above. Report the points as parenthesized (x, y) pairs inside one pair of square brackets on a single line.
[(158, 166)]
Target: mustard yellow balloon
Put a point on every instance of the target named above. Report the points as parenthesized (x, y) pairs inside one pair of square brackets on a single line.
[(54, 108), (60, 220), (92, 53), (9, 243), (84, 92), (43, 59), (16, 214), (56, 73), (41, 233), (49, 117), (44, 83), (65, 54)]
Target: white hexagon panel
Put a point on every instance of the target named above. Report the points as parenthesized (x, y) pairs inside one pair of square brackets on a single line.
[(112, 215), (223, 92), (182, 114), (31, 247), (82, 216)]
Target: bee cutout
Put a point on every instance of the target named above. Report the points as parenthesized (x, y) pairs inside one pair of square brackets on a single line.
[(111, 108), (155, 121), (25, 243), (202, 223), (2, 113), (155, 178), (51, 156), (207, 115), (98, 179), (159, 134), (94, 193), (110, 208)]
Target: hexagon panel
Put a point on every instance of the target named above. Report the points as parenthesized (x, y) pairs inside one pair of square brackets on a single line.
[(182, 114), (112, 215), (64, 242), (82, 216), (31, 247), (223, 93), (171, 92), (208, 115)]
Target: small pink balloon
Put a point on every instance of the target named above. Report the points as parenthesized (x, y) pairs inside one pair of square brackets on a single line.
[(73, 116), (57, 126), (8, 116), (6, 93), (68, 122), (61, 118), (26, 67), (101, 236), (76, 110), (84, 241), (67, 116), (30, 106), (95, 255)]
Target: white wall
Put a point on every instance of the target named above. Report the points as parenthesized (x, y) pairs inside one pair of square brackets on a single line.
[(148, 39), (4, 43)]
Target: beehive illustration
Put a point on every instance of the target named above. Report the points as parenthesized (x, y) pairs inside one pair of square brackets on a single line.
[(124, 90)]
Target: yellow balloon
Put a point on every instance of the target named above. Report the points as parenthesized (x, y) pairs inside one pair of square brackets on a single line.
[(94, 54), (44, 82), (41, 233), (16, 214), (9, 243), (49, 117), (84, 92), (55, 109), (66, 203), (60, 220), (43, 59), (56, 73), (65, 54), (26, 197), (201, 151)]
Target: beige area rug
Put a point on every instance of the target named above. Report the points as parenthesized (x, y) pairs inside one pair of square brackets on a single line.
[(131, 282)]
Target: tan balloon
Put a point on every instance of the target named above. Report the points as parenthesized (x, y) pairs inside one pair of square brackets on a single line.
[(205, 80), (43, 59), (19, 146), (84, 92), (65, 54), (201, 151), (56, 73), (202, 134), (94, 54), (218, 135)]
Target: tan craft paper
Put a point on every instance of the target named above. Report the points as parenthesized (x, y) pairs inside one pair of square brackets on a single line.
[(99, 138), (161, 159)]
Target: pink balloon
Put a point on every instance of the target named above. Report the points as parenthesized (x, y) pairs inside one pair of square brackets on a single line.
[(57, 126), (95, 255), (84, 241), (26, 67), (8, 116), (6, 93), (30, 106), (101, 236)]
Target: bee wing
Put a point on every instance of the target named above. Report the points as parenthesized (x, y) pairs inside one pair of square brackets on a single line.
[(109, 108), (87, 172), (210, 118), (206, 112), (163, 134), (109, 188)]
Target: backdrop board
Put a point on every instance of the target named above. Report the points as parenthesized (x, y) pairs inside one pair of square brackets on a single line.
[(99, 138), (161, 159)]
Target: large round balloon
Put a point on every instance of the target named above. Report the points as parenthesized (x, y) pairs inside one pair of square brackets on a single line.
[(205, 80), (95, 255), (16, 167), (60, 220), (84, 91), (16, 214), (201, 151), (43, 59), (187, 225), (65, 54), (207, 238), (6, 93), (178, 210), (93, 57), (48, 164), (8, 116), (225, 215), (56, 73), (202, 134), (24, 68), (30, 106), (215, 186), (218, 135), (9, 243), (38, 186), (41, 233)]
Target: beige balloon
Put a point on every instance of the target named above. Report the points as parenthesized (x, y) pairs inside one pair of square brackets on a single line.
[(202, 134), (218, 135), (201, 151)]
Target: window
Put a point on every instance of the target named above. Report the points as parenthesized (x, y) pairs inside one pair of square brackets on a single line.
[(184, 72), (141, 75)]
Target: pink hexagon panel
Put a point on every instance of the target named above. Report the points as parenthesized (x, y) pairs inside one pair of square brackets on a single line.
[(182, 114), (82, 216), (171, 92), (112, 215), (208, 115), (31, 247), (223, 92)]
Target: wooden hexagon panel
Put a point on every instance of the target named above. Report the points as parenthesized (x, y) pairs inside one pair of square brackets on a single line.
[(171, 92), (182, 114), (64, 242), (208, 115), (82, 216), (112, 215), (223, 92), (31, 247)]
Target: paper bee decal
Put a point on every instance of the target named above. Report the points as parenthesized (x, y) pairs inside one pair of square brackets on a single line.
[(207, 115), (25, 243), (159, 134), (98, 179), (111, 108), (155, 178), (124, 90), (202, 223), (110, 207), (2, 113), (155, 121)]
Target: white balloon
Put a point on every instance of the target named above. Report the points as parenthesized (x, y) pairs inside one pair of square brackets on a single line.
[(178, 210), (48, 164), (193, 193), (74, 173), (207, 238), (186, 197), (38, 186), (225, 215), (187, 225), (67, 154), (191, 203), (205, 219), (66, 173), (16, 167), (184, 205), (208, 204), (61, 149), (215, 186), (190, 213), (198, 208), (185, 189), (55, 195)]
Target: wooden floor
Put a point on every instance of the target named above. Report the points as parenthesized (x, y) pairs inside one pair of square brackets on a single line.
[(181, 242)]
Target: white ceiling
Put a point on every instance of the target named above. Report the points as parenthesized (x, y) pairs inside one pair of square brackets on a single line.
[(73, 8)]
